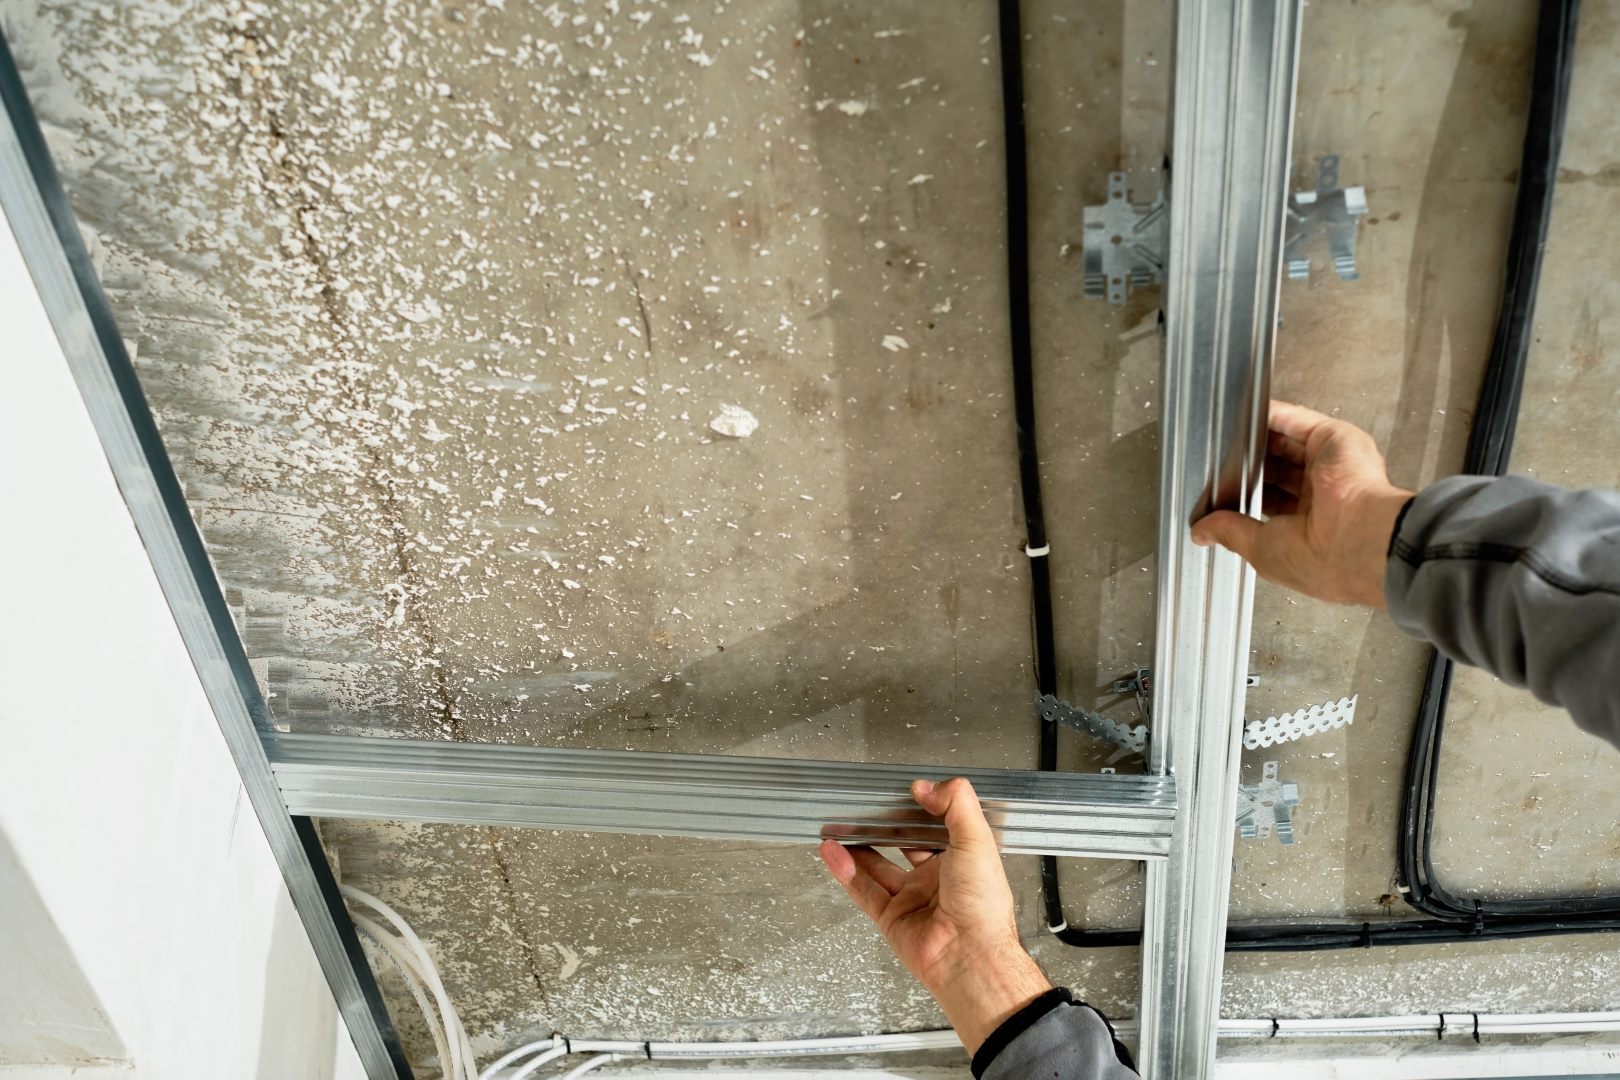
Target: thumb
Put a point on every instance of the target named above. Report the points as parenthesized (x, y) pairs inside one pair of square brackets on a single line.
[(956, 802), (1237, 533)]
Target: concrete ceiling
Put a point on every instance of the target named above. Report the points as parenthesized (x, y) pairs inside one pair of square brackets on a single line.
[(436, 304)]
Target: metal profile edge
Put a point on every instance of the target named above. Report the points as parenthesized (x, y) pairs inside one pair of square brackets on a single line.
[(710, 796), (1235, 63), (48, 235)]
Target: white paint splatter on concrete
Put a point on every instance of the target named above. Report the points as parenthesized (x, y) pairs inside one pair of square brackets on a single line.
[(734, 422)]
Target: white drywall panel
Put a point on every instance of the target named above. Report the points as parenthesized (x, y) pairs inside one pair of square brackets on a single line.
[(117, 794)]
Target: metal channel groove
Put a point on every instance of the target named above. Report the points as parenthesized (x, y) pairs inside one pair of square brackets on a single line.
[(737, 798), (47, 234), (1231, 126)]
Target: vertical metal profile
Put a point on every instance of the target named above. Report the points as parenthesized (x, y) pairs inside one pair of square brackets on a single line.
[(1230, 131), (48, 235)]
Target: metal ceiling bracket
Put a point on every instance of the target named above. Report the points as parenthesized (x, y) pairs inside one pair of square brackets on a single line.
[(790, 800), (1301, 723), (1122, 243), (1327, 210), (1267, 806), (1140, 683), (1232, 111), (1130, 738)]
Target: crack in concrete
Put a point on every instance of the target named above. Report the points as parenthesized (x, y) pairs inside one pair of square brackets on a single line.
[(641, 304), (294, 176)]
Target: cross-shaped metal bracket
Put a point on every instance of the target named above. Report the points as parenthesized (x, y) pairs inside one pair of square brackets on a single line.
[(1123, 242), (1267, 806), (1328, 210)]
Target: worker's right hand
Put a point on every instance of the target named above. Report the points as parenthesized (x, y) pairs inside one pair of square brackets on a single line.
[(1330, 510)]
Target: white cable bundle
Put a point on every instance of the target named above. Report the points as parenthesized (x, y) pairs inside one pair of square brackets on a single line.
[(407, 953), (401, 948)]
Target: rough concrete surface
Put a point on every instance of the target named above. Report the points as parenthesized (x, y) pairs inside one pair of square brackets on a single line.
[(437, 305)]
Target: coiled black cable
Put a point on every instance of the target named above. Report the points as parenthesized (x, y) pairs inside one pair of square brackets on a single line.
[(1490, 446)]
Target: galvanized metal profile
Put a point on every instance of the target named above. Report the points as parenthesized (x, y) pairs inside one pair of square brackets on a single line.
[(1231, 126), (733, 798), (47, 234)]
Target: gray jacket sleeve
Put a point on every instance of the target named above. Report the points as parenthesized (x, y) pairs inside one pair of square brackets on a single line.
[(1054, 1037), (1522, 579)]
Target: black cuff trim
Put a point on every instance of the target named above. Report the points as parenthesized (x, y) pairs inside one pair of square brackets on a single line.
[(1016, 1024), (1400, 519)]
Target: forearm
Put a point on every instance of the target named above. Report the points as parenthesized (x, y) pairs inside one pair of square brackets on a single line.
[(978, 994), (1519, 578)]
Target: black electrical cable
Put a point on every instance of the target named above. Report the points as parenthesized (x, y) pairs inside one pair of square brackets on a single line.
[(1488, 451), (1490, 446), (1029, 469)]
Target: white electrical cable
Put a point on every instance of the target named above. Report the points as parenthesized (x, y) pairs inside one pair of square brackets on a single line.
[(1429, 1025), (838, 1044), (593, 1063), (510, 1056), (454, 1062), (371, 932), (461, 1065), (532, 1067)]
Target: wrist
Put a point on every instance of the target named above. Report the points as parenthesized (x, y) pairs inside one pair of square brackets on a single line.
[(982, 989), (1376, 516)]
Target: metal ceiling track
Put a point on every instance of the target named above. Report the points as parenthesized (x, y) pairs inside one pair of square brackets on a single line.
[(1233, 103), (736, 798), (1231, 124)]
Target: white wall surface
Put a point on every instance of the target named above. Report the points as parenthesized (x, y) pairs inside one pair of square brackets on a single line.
[(118, 799)]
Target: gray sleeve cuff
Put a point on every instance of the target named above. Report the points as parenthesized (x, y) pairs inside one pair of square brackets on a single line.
[(1064, 1040), (1417, 524), (1520, 578)]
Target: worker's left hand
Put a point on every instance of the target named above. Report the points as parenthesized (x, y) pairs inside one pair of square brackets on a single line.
[(950, 918)]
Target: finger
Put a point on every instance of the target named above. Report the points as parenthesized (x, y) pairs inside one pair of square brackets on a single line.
[(917, 856), (838, 860), (868, 895), (956, 802), (1235, 532), (1281, 447), (879, 869), (1278, 503), (1285, 475), (1296, 421)]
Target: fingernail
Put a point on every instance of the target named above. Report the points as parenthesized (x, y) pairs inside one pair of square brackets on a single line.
[(1201, 541), (923, 787)]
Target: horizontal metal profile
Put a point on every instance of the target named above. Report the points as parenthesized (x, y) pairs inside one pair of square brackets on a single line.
[(714, 796)]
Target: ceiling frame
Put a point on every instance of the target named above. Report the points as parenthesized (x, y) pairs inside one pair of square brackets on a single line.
[(1233, 102)]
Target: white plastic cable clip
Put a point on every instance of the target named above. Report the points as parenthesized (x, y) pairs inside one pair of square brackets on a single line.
[(1060, 927), (1037, 552)]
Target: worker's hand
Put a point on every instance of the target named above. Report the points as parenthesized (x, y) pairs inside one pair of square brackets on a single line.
[(950, 918), (1330, 510)]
